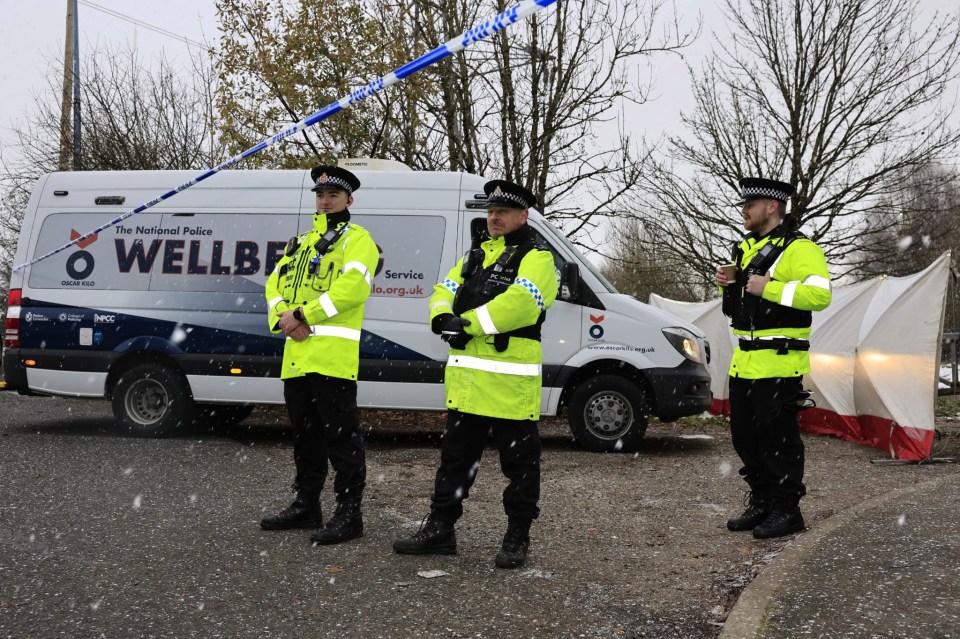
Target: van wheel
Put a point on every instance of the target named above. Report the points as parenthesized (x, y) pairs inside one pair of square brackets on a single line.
[(608, 413), (150, 400), (218, 415)]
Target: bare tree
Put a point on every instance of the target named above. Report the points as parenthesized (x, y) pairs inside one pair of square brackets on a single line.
[(441, 112), (915, 228), (13, 201), (279, 62), (134, 117), (557, 82), (847, 99), (528, 104), (638, 272)]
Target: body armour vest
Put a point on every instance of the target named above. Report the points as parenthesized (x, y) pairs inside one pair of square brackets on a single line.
[(480, 285), (752, 313)]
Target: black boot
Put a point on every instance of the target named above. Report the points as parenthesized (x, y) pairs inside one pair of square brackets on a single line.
[(513, 550), (435, 537), (758, 508), (784, 519), (304, 512), (346, 524)]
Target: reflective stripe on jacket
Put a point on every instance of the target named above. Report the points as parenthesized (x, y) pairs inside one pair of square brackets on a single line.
[(801, 281), (332, 295), (478, 379)]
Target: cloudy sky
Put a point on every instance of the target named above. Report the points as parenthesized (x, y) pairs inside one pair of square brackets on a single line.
[(32, 36)]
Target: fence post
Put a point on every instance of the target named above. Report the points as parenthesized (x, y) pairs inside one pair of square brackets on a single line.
[(953, 363)]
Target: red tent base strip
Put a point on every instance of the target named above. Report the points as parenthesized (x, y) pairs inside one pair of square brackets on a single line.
[(909, 444), (901, 442), (720, 407)]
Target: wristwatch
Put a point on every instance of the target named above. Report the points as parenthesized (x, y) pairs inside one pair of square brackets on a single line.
[(298, 314)]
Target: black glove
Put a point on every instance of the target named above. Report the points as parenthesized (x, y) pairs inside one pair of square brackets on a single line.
[(458, 341), (451, 330), (449, 324)]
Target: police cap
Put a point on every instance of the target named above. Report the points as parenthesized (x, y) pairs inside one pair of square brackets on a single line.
[(762, 189), (501, 193), (333, 177)]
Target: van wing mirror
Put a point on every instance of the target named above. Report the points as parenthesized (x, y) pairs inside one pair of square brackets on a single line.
[(570, 282)]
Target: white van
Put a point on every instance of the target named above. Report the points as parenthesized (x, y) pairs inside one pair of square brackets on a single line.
[(168, 305)]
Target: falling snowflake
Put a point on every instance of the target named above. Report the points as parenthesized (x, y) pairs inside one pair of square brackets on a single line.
[(726, 469), (137, 502), (178, 335)]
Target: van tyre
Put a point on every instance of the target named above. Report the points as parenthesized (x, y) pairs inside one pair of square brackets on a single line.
[(151, 400), (608, 413)]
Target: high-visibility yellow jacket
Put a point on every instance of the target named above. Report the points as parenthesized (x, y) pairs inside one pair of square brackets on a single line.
[(332, 294), (800, 282), (478, 379)]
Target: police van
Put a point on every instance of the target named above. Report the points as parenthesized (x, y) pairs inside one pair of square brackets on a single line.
[(164, 313)]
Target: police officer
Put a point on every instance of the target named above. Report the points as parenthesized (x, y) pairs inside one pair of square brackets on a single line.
[(781, 279), (489, 309), (316, 298)]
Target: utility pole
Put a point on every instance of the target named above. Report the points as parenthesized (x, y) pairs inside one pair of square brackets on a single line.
[(65, 102), (77, 163)]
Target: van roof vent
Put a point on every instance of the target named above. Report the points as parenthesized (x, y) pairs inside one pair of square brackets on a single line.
[(372, 164)]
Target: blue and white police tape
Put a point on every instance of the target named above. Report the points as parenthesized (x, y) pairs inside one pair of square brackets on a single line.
[(500, 22)]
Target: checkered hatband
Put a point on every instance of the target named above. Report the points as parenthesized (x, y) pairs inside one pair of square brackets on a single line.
[(326, 181), (500, 194), (756, 192)]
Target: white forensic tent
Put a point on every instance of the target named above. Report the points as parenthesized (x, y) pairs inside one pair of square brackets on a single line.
[(874, 357)]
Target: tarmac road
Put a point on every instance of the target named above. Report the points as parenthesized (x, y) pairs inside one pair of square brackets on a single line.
[(108, 536)]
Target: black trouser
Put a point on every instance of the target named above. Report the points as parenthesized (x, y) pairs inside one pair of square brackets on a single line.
[(326, 425), (766, 436), (463, 441)]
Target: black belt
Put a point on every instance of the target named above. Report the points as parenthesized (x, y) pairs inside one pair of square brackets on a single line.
[(502, 340), (781, 344)]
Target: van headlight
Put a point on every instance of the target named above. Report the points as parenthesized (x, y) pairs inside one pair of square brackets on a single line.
[(684, 341)]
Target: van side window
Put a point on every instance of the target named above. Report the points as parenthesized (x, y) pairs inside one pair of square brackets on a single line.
[(411, 247)]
